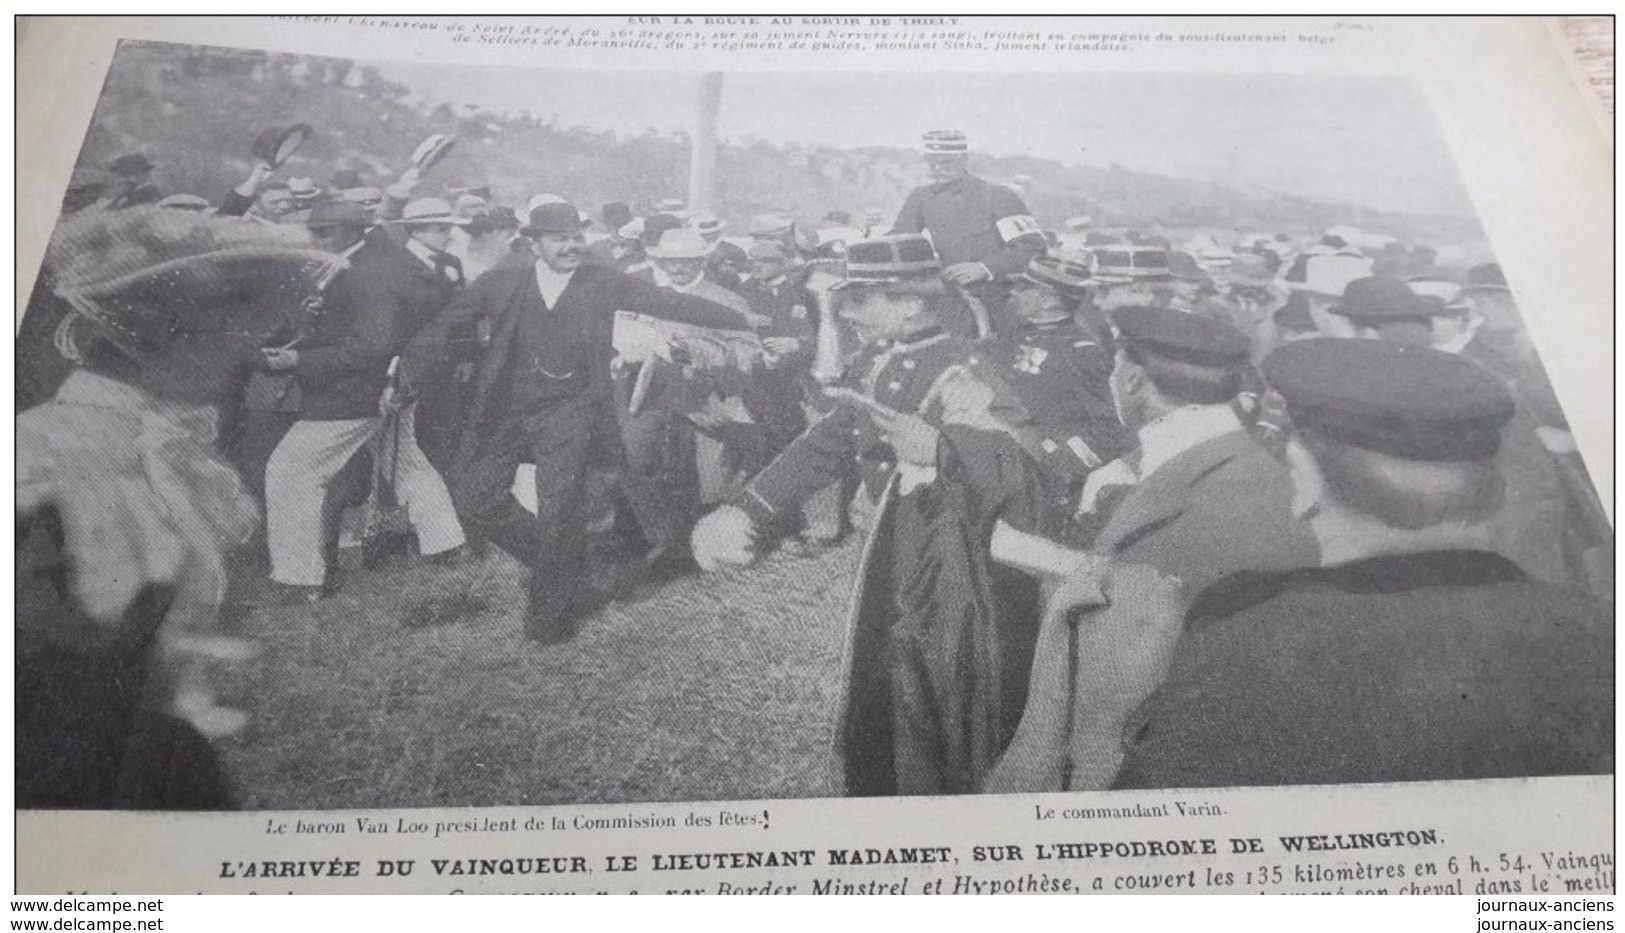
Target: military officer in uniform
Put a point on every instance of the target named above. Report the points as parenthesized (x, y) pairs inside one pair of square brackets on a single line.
[(1411, 652), (982, 231), (1062, 373), (932, 694)]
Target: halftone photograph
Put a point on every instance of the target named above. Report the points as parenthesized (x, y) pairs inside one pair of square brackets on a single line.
[(404, 435)]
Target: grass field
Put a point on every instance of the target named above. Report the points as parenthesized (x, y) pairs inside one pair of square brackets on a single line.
[(719, 687)]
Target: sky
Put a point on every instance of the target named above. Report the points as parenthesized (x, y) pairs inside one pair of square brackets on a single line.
[(1368, 141)]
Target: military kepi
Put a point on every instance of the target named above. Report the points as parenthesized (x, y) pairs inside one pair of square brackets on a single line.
[(943, 142), (1178, 335), (1410, 402), (889, 259)]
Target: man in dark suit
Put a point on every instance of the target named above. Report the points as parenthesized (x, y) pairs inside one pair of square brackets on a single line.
[(1412, 652), (544, 395), (342, 367), (1408, 652), (1200, 497)]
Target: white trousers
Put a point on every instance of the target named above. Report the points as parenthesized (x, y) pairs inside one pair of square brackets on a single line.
[(304, 465)]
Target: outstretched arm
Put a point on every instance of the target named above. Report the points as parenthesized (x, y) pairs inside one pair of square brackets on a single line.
[(642, 297)]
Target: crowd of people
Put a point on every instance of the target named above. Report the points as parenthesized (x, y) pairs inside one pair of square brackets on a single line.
[(1280, 510)]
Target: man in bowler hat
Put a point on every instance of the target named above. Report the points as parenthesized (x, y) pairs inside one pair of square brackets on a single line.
[(544, 395)]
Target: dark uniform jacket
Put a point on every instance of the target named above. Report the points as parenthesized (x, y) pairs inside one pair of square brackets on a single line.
[(940, 642), (1437, 666), (1060, 372), (365, 314), (587, 306), (972, 220)]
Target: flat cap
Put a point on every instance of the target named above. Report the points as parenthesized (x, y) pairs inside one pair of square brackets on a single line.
[(1378, 298), (1179, 335), (1411, 402)]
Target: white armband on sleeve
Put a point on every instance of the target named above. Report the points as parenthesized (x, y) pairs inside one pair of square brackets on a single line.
[(1018, 225)]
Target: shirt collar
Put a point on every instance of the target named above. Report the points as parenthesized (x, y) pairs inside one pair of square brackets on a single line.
[(1182, 429), (544, 272), (690, 286), (354, 248)]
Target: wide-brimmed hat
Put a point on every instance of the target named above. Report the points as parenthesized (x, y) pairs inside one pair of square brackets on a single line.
[(680, 243), (365, 195), (275, 144), (546, 197), (1445, 290), (888, 260), (655, 226), (430, 211), (1379, 298), (184, 202), (304, 189), (559, 217), (432, 150), (469, 199), (1330, 273)]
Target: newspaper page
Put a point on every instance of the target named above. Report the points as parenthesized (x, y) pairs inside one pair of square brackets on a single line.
[(812, 455)]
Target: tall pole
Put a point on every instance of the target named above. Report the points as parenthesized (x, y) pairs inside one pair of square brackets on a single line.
[(702, 162)]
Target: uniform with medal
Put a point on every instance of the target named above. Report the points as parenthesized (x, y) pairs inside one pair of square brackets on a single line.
[(936, 656)]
